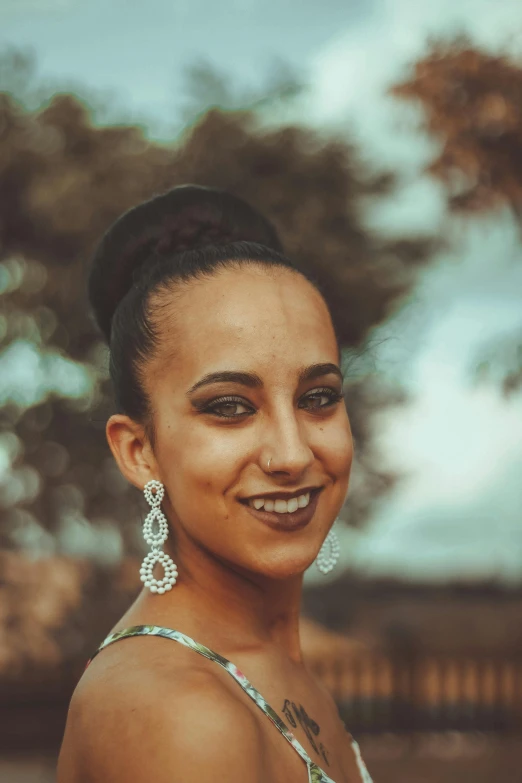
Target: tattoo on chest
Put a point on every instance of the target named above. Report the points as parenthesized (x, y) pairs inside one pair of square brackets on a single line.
[(295, 714)]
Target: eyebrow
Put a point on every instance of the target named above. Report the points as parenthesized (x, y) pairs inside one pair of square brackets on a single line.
[(253, 381)]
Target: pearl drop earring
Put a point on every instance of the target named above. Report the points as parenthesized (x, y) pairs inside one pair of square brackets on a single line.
[(154, 492), (329, 553)]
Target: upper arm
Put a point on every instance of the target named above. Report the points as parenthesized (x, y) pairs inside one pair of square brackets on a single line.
[(197, 732)]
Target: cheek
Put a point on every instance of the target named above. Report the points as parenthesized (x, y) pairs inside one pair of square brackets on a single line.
[(205, 463), (336, 447)]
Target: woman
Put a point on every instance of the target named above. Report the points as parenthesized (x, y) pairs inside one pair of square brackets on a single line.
[(231, 418)]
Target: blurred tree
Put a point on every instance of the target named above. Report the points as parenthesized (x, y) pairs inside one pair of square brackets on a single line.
[(472, 104), (63, 180), (35, 599)]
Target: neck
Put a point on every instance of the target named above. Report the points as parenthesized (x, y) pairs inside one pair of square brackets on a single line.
[(227, 609)]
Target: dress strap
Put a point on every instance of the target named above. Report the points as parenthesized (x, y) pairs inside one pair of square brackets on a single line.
[(315, 773)]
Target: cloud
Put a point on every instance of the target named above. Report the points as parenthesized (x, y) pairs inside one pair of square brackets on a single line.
[(459, 442)]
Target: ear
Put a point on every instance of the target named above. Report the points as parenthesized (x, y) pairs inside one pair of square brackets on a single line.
[(131, 448)]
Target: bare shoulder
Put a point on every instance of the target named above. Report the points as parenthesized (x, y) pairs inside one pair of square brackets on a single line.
[(144, 726)]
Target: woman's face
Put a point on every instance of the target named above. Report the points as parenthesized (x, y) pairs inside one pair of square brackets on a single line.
[(245, 372)]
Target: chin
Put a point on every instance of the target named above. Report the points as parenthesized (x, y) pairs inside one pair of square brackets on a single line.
[(286, 569)]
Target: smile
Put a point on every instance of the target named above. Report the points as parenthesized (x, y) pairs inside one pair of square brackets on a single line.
[(285, 514)]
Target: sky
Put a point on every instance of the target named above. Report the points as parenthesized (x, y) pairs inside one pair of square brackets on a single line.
[(137, 52), (459, 512)]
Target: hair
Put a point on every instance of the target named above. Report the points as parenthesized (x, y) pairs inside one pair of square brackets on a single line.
[(187, 233)]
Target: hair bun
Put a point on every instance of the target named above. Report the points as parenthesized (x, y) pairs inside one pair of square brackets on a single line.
[(185, 218)]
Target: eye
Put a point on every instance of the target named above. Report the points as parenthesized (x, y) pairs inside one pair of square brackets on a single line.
[(229, 408), (321, 399)]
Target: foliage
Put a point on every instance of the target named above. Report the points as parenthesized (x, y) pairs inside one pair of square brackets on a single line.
[(472, 103), (35, 599)]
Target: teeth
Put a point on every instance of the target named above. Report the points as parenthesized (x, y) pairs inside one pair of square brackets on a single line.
[(281, 506), (303, 500)]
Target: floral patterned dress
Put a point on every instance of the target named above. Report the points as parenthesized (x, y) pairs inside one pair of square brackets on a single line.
[(315, 773)]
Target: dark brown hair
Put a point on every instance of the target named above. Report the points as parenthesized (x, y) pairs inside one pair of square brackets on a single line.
[(189, 232)]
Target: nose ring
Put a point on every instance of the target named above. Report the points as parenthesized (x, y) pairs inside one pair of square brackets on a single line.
[(268, 466)]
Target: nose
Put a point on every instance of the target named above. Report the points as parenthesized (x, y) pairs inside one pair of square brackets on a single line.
[(286, 446)]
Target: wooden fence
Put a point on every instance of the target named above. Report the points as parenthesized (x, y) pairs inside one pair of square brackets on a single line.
[(375, 693), (405, 692)]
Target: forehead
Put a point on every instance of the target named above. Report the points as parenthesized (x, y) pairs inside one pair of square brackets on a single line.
[(246, 317)]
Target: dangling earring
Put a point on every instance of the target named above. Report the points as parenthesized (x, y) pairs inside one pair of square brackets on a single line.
[(329, 553), (154, 492)]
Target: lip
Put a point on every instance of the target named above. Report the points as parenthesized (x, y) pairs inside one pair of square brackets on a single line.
[(288, 522)]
